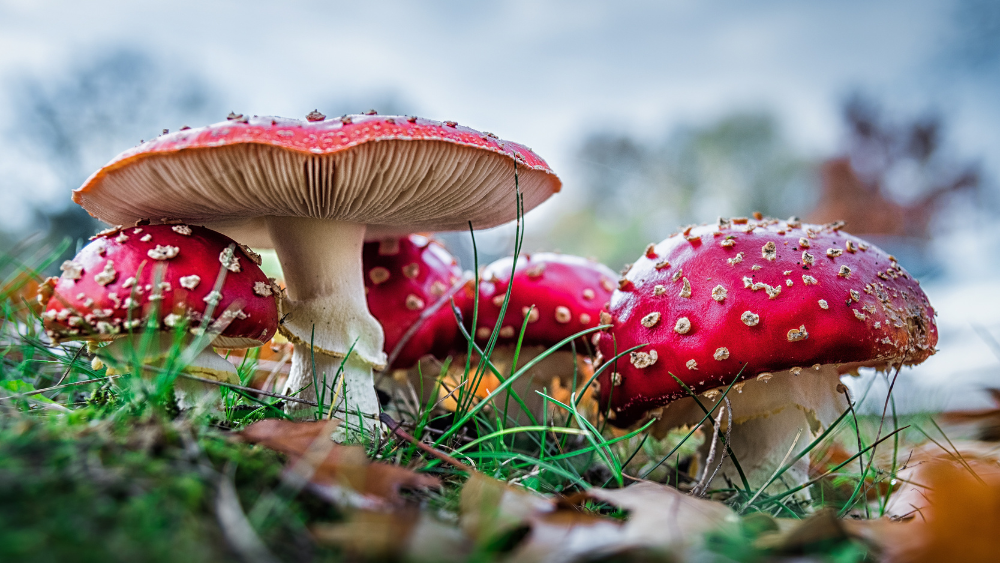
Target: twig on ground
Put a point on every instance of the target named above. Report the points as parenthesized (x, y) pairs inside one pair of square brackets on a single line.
[(397, 429)]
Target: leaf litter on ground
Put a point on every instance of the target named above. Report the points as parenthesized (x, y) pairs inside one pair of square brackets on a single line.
[(334, 469)]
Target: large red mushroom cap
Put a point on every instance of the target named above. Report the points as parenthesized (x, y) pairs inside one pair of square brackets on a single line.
[(126, 274), (408, 282), (753, 298), (395, 174), (559, 294)]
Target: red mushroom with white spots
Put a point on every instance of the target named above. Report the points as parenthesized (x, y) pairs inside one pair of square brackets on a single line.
[(314, 191), (559, 295), (166, 276), (409, 282), (781, 306)]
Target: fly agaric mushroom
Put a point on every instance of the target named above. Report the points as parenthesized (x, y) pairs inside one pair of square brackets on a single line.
[(559, 295), (779, 304), (169, 275), (313, 190), (409, 282)]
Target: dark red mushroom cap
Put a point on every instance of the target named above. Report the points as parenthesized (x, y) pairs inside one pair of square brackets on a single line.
[(126, 274), (368, 169), (408, 281), (755, 297), (568, 294)]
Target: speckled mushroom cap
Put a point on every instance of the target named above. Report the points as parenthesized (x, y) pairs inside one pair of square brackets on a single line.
[(395, 174), (126, 274), (568, 294), (408, 282), (755, 297)]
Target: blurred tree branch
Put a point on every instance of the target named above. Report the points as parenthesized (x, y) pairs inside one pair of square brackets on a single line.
[(69, 125)]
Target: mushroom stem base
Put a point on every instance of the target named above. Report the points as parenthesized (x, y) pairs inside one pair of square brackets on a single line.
[(349, 392), (163, 354), (767, 415)]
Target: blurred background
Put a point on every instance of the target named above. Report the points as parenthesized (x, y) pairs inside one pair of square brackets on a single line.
[(655, 115)]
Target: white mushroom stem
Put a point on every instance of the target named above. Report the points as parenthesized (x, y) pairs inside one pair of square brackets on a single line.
[(767, 416), (152, 355), (325, 312)]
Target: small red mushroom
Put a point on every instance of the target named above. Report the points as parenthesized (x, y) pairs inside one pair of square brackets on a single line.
[(168, 275), (560, 295), (759, 300), (409, 282)]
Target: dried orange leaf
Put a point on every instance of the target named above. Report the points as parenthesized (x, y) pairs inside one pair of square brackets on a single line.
[(319, 460)]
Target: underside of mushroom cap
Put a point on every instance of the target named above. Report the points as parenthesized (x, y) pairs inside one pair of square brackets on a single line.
[(125, 275), (745, 298), (364, 169)]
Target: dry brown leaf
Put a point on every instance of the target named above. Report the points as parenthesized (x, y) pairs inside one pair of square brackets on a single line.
[(490, 508), (951, 508), (567, 535), (985, 421), (659, 518), (663, 517), (403, 534), (324, 463)]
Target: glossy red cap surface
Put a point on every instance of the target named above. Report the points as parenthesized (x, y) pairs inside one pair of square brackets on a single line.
[(124, 274), (754, 297), (409, 280), (568, 294)]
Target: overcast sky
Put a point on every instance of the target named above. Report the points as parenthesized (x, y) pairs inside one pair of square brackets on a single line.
[(542, 73)]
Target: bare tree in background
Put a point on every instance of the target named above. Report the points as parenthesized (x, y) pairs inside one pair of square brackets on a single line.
[(73, 124), (893, 179), (636, 192)]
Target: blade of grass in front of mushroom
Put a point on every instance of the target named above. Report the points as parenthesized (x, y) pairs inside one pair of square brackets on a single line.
[(791, 462), (495, 335), (694, 428), (338, 377), (722, 436), (506, 384), (775, 498), (468, 396), (871, 457)]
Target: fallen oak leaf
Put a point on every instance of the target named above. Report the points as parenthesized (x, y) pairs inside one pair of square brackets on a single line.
[(329, 466)]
